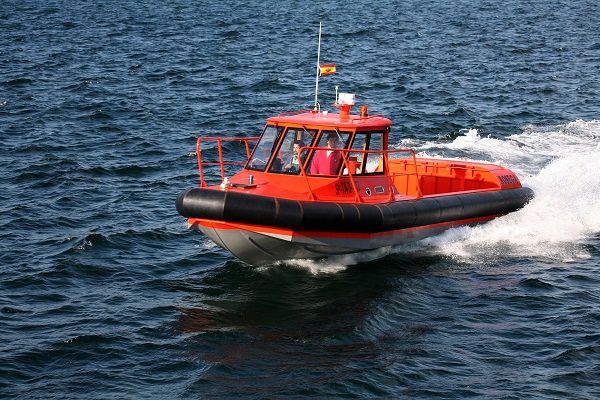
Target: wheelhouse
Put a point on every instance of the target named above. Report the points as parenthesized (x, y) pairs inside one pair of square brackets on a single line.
[(303, 143)]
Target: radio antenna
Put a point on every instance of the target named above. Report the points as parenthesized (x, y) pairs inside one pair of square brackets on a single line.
[(317, 106)]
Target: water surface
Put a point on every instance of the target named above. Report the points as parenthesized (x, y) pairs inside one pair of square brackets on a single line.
[(104, 293)]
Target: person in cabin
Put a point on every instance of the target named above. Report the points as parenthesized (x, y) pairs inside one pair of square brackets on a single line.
[(327, 162), (293, 164), (277, 163)]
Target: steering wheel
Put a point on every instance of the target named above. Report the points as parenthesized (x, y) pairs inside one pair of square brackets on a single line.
[(257, 160)]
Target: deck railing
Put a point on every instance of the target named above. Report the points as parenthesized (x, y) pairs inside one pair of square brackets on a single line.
[(350, 164), (221, 162), (348, 169)]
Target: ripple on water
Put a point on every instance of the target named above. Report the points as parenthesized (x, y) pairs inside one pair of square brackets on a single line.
[(105, 293)]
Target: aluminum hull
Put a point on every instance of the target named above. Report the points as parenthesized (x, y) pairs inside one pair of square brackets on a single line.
[(258, 247)]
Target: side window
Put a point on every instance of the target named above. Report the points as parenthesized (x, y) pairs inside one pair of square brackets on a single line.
[(262, 152), (329, 162), (374, 163), (356, 159), (288, 157), (361, 161)]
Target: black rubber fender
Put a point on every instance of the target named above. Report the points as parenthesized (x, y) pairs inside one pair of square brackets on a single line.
[(230, 206)]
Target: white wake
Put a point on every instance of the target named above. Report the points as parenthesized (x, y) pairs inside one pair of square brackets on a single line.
[(562, 165)]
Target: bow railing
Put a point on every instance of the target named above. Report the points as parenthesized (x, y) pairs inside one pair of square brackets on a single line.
[(221, 162)]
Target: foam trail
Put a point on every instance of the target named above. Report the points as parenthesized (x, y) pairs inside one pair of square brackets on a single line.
[(315, 267), (525, 153), (472, 147), (338, 263), (565, 211)]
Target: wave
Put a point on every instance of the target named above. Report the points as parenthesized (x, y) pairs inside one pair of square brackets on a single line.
[(18, 82), (560, 163)]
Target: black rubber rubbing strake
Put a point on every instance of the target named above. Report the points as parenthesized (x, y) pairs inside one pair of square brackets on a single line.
[(229, 206)]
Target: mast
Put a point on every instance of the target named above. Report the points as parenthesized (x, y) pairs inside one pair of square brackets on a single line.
[(318, 71)]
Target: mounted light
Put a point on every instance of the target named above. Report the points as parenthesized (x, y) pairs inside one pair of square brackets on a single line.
[(346, 99)]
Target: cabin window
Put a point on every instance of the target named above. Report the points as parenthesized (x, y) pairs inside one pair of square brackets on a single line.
[(374, 163), (329, 162), (288, 156), (361, 161), (264, 148)]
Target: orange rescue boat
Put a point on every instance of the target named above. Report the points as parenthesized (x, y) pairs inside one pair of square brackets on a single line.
[(316, 184)]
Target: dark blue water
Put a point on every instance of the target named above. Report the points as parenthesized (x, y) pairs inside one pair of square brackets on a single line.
[(104, 293)]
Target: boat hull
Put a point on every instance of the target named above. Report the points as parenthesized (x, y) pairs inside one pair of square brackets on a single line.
[(262, 230), (258, 245)]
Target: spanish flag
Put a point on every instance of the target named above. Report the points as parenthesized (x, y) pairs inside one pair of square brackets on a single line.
[(327, 69)]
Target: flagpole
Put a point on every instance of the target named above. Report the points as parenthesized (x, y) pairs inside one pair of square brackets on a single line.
[(318, 69)]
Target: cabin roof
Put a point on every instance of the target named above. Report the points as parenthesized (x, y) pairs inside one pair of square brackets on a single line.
[(325, 119)]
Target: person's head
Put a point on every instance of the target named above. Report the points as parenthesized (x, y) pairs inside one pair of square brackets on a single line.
[(297, 146), (332, 140)]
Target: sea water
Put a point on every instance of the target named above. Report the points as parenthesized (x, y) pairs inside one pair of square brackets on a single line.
[(105, 293)]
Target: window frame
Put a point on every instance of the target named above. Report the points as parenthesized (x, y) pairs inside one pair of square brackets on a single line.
[(310, 132), (368, 140), (279, 131)]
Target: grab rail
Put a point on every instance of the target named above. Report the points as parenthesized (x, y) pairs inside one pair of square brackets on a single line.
[(220, 162), (345, 172), (346, 164)]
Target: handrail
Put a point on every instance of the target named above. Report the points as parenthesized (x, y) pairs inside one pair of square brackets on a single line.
[(303, 164), (457, 166), (220, 162), (309, 111), (352, 176)]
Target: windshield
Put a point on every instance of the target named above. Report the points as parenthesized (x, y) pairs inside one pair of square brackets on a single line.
[(264, 148), (289, 156)]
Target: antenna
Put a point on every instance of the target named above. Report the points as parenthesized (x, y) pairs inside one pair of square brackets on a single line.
[(318, 71)]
